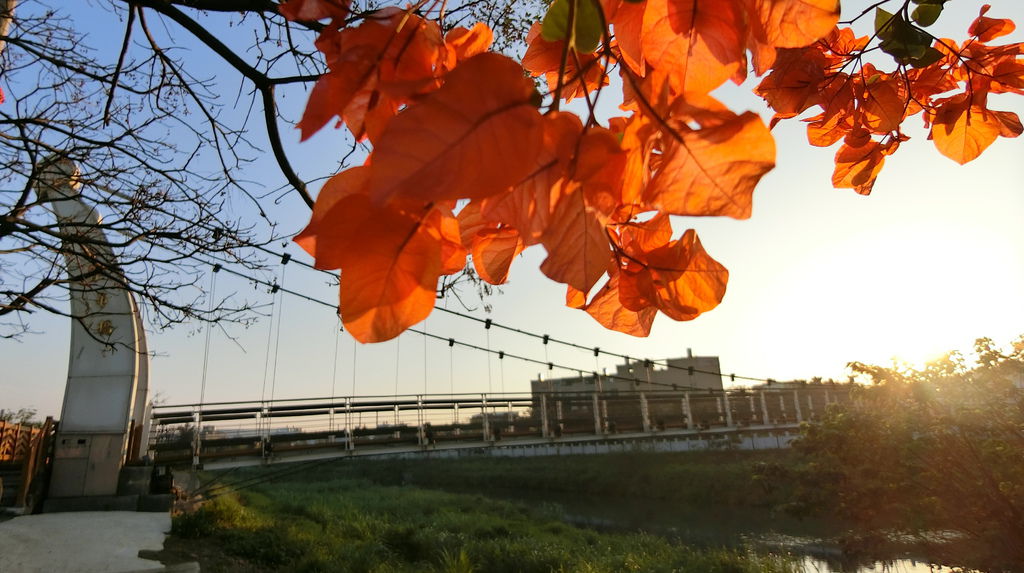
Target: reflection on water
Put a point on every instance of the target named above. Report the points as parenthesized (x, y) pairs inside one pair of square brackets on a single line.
[(763, 529)]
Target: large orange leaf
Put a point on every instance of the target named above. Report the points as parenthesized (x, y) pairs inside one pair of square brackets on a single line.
[(373, 68), (312, 10), (637, 238), (453, 254), (493, 253), (464, 43), (858, 166), (606, 309), (884, 103), (321, 236), (628, 22), (578, 250), (528, 206), (987, 29), (679, 278), (713, 171), (390, 262), (962, 131), (477, 135), (794, 83), (792, 23), (699, 43)]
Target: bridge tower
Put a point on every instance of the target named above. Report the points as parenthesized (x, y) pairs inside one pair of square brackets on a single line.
[(104, 420)]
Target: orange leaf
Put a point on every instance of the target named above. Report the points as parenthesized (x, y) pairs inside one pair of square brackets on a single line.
[(792, 23), (466, 43), (639, 237), (493, 253), (453, 254), (794, 82), (607, 310), (374, 67), (713, 171), (857, 167), (884, 104), (699, 43), (628, 22), (313, 10), (477, 135), (578, 251), (319, 239), (961, 131), (390, 262), (988, 29), (575, 298), (528, 206), (679, 278)]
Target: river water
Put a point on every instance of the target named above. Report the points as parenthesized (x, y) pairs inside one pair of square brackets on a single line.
[(805, 539)]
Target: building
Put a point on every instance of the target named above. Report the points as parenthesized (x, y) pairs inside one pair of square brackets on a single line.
[(640, 394), (673, 374)]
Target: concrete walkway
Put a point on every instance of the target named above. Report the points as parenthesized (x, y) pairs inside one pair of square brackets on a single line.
[(82, 542)]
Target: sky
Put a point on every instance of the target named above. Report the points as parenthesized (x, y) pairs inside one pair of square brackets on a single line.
[(819, 277)]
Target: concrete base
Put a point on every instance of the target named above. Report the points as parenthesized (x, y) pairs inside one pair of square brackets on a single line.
[(82, 542), (144, 503)]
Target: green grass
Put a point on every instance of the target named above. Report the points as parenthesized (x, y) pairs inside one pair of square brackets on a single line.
[(328, 520), (696, 479)]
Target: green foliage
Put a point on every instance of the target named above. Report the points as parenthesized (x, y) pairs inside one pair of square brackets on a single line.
[(588, 28), (920, 451)]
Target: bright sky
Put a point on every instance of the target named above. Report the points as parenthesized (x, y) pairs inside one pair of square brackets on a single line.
[(819, 277)]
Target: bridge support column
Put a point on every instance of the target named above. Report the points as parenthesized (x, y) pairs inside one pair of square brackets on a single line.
[(782, 405), (796, 404), (810, 405), (645, 415), (598, 423), (764, 409), (687, 411), (719, 409)]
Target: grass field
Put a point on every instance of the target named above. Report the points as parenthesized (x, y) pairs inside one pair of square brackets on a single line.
[(354, 516)]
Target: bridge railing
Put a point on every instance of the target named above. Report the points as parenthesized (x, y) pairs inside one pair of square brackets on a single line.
[(192, 433)]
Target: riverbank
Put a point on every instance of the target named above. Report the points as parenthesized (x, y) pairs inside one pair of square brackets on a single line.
[(387, 515), (321, 523)]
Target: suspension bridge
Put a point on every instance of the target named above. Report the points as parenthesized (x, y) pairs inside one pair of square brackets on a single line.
[(231, 434)]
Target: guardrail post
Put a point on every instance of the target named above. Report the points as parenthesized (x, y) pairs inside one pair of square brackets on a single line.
[(486, 425), (687, 411), (350, 443), (645, 418), (728, 409), (545, 431), (420, 434), (764, 409), (196, 437)]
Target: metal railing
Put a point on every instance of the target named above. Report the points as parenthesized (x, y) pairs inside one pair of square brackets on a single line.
[(198, 433)]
